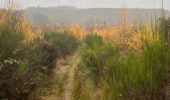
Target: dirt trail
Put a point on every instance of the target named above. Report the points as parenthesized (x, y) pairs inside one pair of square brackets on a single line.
[(58, 86), (167, 88), (69, 84)]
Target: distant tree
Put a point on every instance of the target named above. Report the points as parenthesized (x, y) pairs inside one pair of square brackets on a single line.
[(39, 18), (167, 34)]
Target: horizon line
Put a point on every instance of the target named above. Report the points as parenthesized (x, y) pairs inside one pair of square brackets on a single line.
[(60, 6)]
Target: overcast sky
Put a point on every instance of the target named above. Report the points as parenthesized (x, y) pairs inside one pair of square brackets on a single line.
[(97, 3)]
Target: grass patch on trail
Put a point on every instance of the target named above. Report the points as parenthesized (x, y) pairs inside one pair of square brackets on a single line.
[(53, 89)]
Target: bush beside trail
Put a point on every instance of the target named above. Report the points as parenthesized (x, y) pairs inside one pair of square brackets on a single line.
[(26, 57)]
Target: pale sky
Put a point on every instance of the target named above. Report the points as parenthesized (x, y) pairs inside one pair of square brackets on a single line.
[(97, 3)]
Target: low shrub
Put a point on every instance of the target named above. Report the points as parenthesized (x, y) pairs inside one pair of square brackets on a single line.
[(93, 40), (63, 43), (95, 60), (95, 56)]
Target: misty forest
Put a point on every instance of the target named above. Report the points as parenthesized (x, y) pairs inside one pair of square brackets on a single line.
[(71, 53)]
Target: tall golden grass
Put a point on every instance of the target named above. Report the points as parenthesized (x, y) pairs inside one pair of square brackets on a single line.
[(128, 37)]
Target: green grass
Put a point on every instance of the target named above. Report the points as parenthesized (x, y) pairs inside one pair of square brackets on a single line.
[(124, 76), (63, 43)]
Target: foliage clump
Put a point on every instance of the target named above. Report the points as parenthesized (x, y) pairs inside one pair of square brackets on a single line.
[(125, 74), (63, 43)]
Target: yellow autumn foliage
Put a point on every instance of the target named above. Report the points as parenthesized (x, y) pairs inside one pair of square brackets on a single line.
[(77, 31), (128, 37), (18, 21)]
